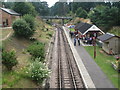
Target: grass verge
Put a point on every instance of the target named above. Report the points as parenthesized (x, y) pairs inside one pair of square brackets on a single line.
[(104, 62), (5, 32), (72, 29), (16, 78)]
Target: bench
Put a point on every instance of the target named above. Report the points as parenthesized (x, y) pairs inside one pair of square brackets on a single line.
[(114, 66)]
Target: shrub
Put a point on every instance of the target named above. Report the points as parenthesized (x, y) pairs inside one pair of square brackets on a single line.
[(49, 34), (37, 50), (9, 59), (37, 71), (30, 20), (21, 28)]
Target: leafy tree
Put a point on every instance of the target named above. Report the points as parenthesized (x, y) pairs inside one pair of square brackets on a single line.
[(81, 13), (30, 21), (24, 8), (37, 50), (37, 71), (9, 59), (22, 29), (42, 8), (8, 4), (85, 5), (104, 16), (60, 8), (117, 4)]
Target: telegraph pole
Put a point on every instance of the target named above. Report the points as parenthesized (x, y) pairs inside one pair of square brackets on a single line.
[(94, 44)]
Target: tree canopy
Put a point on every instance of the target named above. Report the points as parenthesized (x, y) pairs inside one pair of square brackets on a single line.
[(81, 13), (60, 8), (104, 16), (41, 7), (24, 8)]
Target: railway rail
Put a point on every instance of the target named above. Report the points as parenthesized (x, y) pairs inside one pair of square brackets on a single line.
[(66, 73)]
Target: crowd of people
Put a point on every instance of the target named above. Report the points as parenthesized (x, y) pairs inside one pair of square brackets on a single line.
[(77, 37)]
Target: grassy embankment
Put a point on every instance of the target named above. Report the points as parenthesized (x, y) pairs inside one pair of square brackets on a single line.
[(5, 32), (104, 62), (17, 77), (115, 31)]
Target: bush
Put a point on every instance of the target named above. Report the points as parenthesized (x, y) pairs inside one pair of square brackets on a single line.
[(21, 28), (37, 50), (49, 34), (37, 71), (30, 20), (9, 59)]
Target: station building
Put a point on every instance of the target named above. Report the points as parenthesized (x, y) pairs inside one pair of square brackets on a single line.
[(88, 30), (7, 16), (110, 43)]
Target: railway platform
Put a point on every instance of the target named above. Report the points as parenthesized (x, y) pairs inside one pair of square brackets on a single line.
[(92, 75)]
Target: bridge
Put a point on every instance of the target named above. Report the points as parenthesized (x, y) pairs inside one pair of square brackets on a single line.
[(56, 17)]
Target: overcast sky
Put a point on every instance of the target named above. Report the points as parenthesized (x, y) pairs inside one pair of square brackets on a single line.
[(50, 2)]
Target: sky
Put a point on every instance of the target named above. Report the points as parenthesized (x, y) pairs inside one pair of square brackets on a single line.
[(50, 2)]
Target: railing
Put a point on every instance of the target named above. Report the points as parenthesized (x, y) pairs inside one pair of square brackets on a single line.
[(55, 17)]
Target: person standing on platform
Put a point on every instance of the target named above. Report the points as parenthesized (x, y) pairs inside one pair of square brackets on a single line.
[(74, 41), (78, 41)]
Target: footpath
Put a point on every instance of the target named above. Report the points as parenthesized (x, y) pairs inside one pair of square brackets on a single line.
[(99, 79)]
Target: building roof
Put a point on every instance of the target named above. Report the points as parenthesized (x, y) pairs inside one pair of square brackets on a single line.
[(105, 37), (9, 11), (83, 27)]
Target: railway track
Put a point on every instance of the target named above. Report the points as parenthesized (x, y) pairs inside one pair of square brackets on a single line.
[(65, 73), (68, 75)]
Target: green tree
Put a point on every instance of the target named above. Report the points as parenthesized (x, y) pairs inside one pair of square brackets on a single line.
[(60, 8), (81, 13), (104, 16), (42, 8), (22, 29), (24, 8), (9, 59), (30, 21), (8, 4)]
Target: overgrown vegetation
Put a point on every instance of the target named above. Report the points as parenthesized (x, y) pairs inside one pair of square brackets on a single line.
[(25, 27), (22, 29), (30, 20), (37, 50), (37, 71), (115, 31), (9, 59)]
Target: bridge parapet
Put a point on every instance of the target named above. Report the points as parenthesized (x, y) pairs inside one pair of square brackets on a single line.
[(55, 17)]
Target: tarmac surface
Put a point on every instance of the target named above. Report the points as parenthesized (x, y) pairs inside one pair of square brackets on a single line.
[(99, 79)]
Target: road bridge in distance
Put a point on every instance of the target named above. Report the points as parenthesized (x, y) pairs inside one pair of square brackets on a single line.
[(56, 17)]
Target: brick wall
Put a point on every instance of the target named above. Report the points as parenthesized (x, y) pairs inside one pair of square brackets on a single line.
[(8, 19)]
